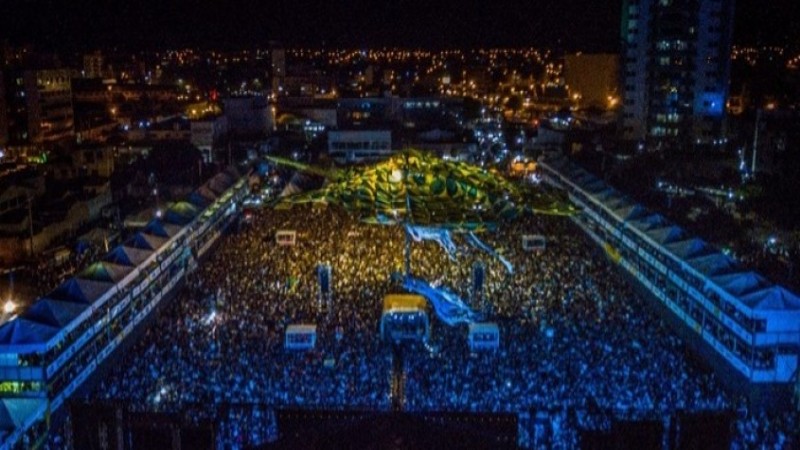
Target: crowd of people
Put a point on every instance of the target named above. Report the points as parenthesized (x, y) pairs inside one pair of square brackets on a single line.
[(577, 342), (575, 336)]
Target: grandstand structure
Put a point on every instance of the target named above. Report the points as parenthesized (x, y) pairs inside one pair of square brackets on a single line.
[(746, 327), (50, 350)]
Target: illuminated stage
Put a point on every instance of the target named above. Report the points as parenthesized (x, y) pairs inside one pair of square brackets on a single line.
[(422, 190)]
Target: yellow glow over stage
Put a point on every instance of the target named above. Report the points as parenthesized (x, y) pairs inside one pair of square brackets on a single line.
[(403, 303)]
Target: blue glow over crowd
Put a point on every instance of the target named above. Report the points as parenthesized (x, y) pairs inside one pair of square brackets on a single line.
[(576, 340)]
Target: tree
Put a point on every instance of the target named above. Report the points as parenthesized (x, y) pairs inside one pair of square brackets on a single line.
[(472, 108), (175, 162), (514, 103)]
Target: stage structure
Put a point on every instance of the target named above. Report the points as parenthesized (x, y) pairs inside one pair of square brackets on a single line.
[(404, 318), (422, 190)]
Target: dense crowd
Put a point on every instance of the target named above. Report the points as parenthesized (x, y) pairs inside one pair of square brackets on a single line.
[(576, 340), (574, 337)]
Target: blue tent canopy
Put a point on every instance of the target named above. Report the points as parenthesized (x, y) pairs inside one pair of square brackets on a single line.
[(15, 412), (667, 234), (106, 272), (162, 229), (127, 256), (630, 212), (55, 313), (690, 248), (773, 298), (617, 202), (156, 228), (607, 194), (741, 283), (180, 213), (202, 197), (22, 331), (713, 264), (581, 175), (595, 186), (80, 290), (198, 200), (174, 217), (145, 241), (585, 180), (649, 222)]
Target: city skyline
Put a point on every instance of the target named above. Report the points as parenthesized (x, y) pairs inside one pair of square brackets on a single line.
[(569, 24)]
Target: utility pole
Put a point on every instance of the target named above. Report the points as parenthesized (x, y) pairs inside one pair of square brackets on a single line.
[(153, 182), (755, 142), (30, 222), (408, 213)]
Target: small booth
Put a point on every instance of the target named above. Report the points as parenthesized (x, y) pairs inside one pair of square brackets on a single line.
[(285, 237), (534, 242), (484, 336), (300, 337), (405, 318)]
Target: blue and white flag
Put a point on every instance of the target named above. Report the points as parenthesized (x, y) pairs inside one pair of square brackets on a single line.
[(448, 306)]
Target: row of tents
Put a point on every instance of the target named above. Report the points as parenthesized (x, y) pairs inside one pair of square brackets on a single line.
[(48, 319), (750, 289), (72, 301)]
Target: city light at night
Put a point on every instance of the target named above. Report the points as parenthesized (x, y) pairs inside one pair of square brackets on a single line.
[(541, 224)]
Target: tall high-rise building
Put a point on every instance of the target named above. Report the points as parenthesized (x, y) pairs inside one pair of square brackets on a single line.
[(675, 71), (3, 114), (278, 69)]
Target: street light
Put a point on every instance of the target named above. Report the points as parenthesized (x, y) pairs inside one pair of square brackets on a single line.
[(9, 307)]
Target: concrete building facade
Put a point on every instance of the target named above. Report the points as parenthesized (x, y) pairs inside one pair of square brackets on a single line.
[(359, 145)]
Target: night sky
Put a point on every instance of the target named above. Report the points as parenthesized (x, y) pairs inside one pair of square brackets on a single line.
[(590, 25)]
